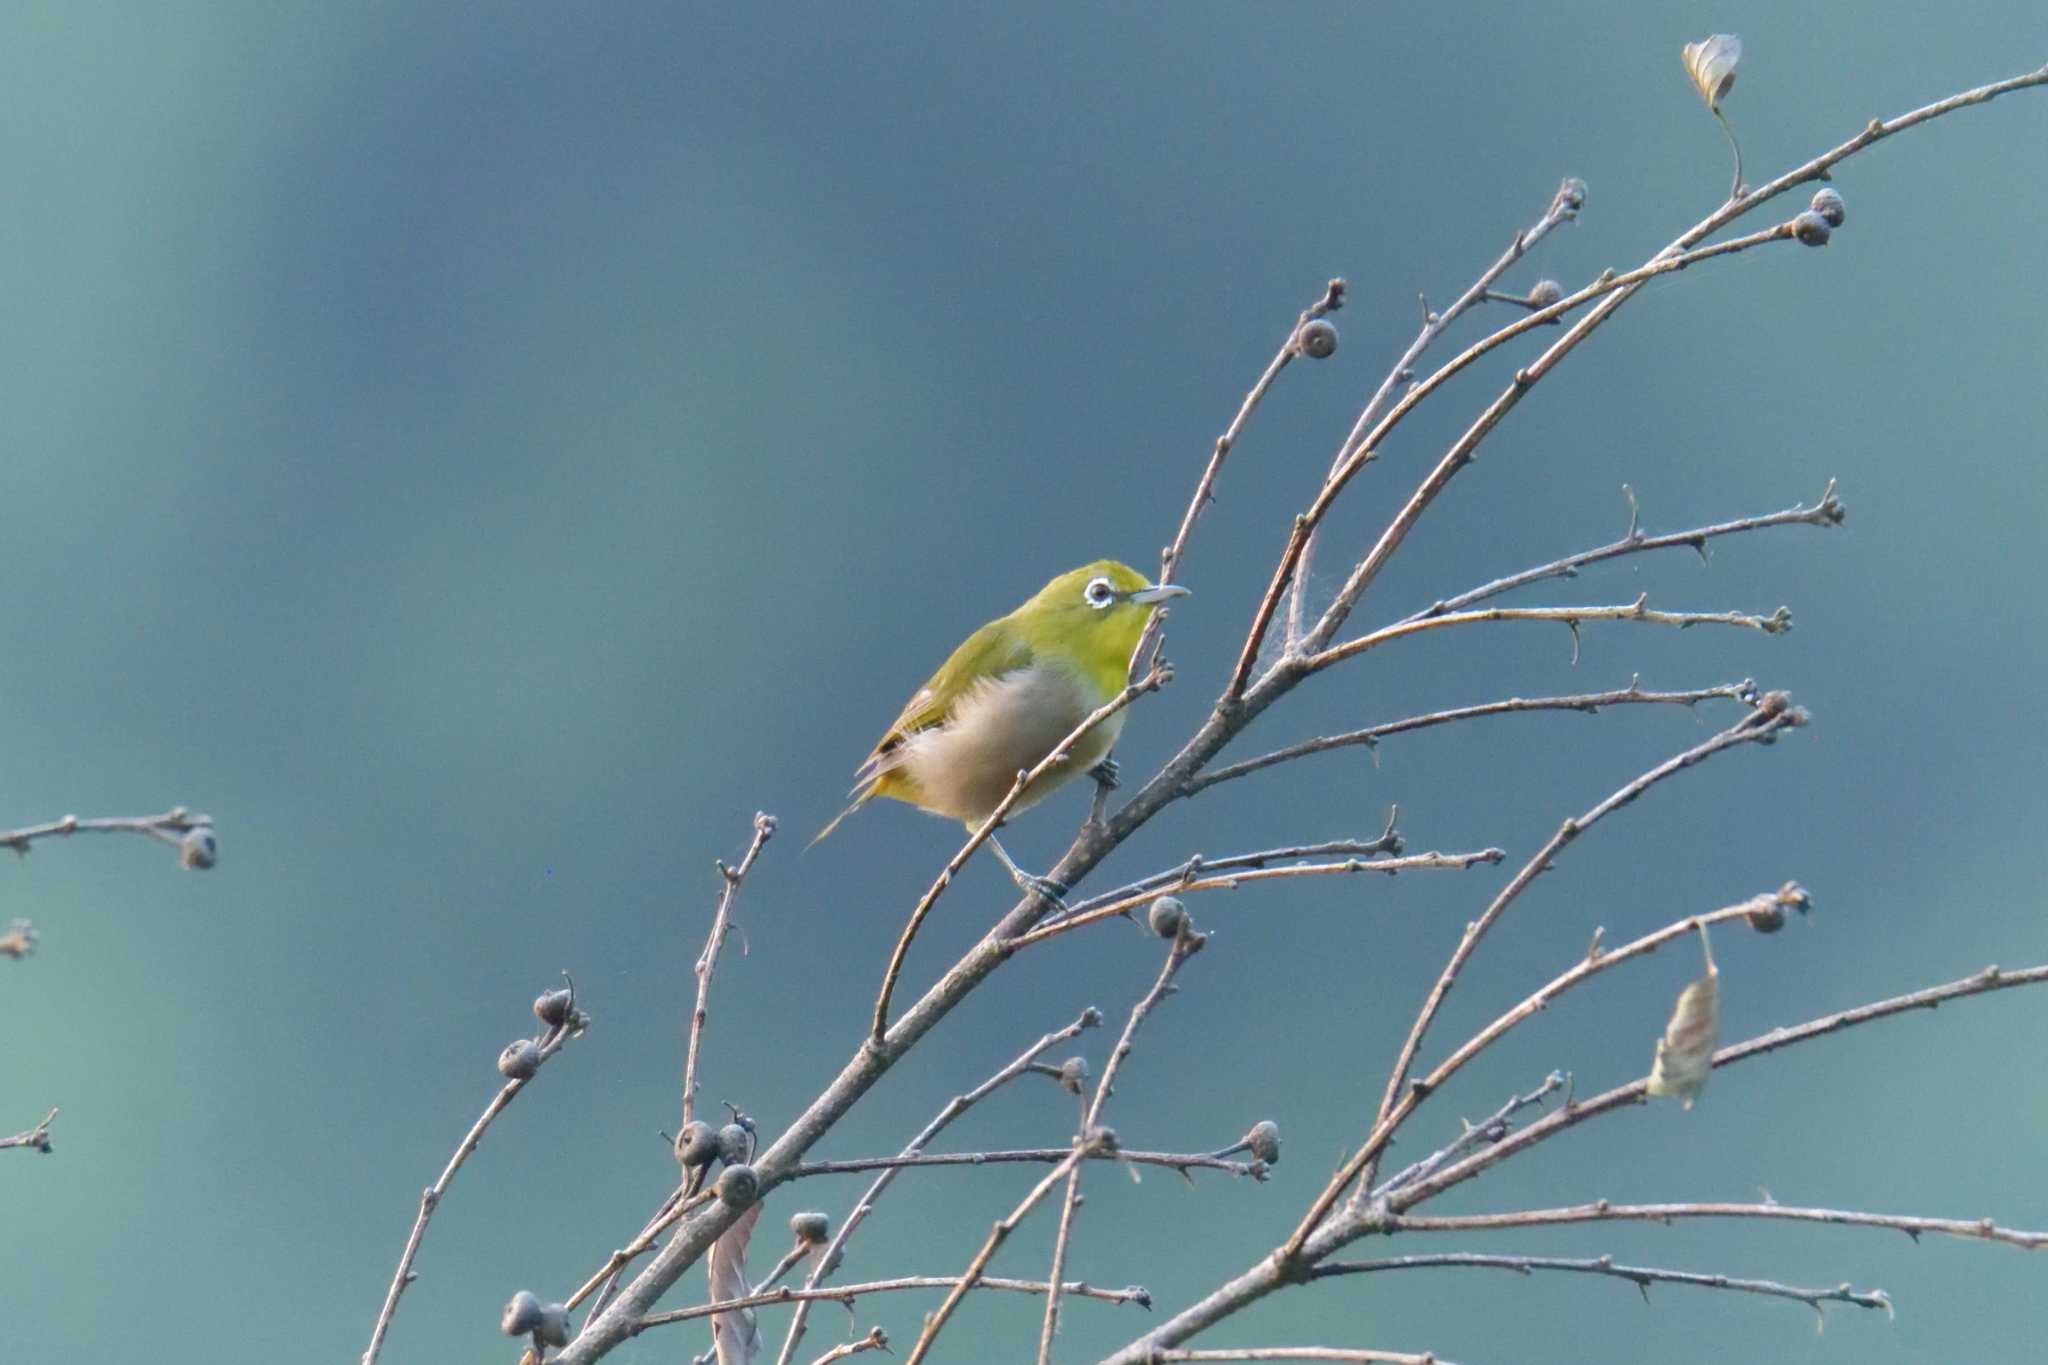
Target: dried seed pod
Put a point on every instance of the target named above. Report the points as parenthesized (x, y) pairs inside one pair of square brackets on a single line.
[(521, 1315), (1074, 1075), (738, 1186), (810, 1228), (552, 1007), (1166, 916), (1544, 293), (1811, 229), (733, 1144), (553, 1329), (697, 1144), (1317, 339), (519, 1060), (1264, 1141), (198, 849), (1829, 205)]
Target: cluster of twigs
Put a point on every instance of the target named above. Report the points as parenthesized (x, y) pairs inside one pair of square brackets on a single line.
[(1285, 644)]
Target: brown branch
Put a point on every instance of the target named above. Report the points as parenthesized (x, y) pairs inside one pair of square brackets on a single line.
[(37, 1137), (875, 1340), (1641, 1276), (835, 1250), (1828, 512), (545, 1046), (1776, 623), (1155, 678), (1773, 713), (1489, 1130), (1564, 207), (1100, 1138), (1182, 1162), (1232, 880), (1389, 841), (1587, 702), (171, 828), (848, 1293), (1601, 1211), (1933, 997), (1299, 1353), (707, 961), (1186, 943)]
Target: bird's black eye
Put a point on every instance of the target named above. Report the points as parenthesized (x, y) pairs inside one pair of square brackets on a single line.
[(1099, 593)]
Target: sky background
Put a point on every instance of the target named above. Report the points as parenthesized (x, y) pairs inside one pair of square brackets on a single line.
[(483, 454)]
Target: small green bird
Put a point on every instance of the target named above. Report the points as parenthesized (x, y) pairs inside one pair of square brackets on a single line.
[(1006, 698)]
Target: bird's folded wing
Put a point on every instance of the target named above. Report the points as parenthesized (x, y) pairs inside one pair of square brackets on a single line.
[(997, 648)]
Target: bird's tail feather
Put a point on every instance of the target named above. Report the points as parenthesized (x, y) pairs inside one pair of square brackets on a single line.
[(858, 802)]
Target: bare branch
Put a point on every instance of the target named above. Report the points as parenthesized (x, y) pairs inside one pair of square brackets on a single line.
[(707, 961), (1186, 943), (1827, 512), (1183, 1162), (1641, 1276), (835, 1250), (1489, 1130), (1155, 678), (1601, 1211), (1639, 610), (1586, 702), (1301, 1353), (1933, 997), (171, 828), (37, 1137), (848, 1293), (1413, 862), (1089, 1145), (536, 1053), (1389, 841), (875, 1340)]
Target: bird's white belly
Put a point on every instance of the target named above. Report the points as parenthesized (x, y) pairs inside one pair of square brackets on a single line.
[(965, 767)]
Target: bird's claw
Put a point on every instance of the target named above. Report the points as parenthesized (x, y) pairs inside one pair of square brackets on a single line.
[(1107, 774), (1046, 889)]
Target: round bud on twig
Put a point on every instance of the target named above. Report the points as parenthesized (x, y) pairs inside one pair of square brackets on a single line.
[(521, 1315), (733, 1144), (1167, 916), (1263, 1141), (1829, 205), (810, 1228), (519, 1060), (1074, 1074), (198, 849), (1317, 339), (1543, 293), (553, 1329), (1811, 229), (552, 1007), (738, 1186), (696, 1144)]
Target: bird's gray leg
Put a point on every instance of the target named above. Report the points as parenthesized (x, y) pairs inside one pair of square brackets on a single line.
[(1107, 774), (1045, 888)]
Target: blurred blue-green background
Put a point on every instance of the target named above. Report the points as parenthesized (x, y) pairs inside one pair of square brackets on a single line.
[(483, 454)]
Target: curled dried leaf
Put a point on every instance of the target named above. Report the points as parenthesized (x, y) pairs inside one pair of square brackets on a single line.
[(1685, 1054), (1711, 65)]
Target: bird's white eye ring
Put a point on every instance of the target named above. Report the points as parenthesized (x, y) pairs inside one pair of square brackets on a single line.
[(1099, 593)]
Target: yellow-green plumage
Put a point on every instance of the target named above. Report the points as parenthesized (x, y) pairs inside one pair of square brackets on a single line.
[(1009, 694)]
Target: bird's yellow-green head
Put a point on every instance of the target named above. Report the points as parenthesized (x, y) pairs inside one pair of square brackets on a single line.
[(1092, 617)]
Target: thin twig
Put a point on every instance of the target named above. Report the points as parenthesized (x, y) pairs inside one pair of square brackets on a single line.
[(1389, 841), (1182, 1162), (1564, 207), (848, 1293), (1155, 678), (1413, 862), (1587, 702), (972, 1276), (549, 1043), (1489, 1130), (169, 828), (1601, 1211), (1932, 997), (1828, 512), (1772, 714), (875, 1340), (1639, 610), (707, 961), (835, 1250), (1186, 943), (1642, 1276), (37, 1137), (1338, 1353)]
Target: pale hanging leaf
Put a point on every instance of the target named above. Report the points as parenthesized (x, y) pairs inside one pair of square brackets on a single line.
[(1711, 65), (735, 1335), (1685, 1054)]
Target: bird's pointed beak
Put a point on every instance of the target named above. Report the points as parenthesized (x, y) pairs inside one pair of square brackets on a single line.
[(1164, 592)]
